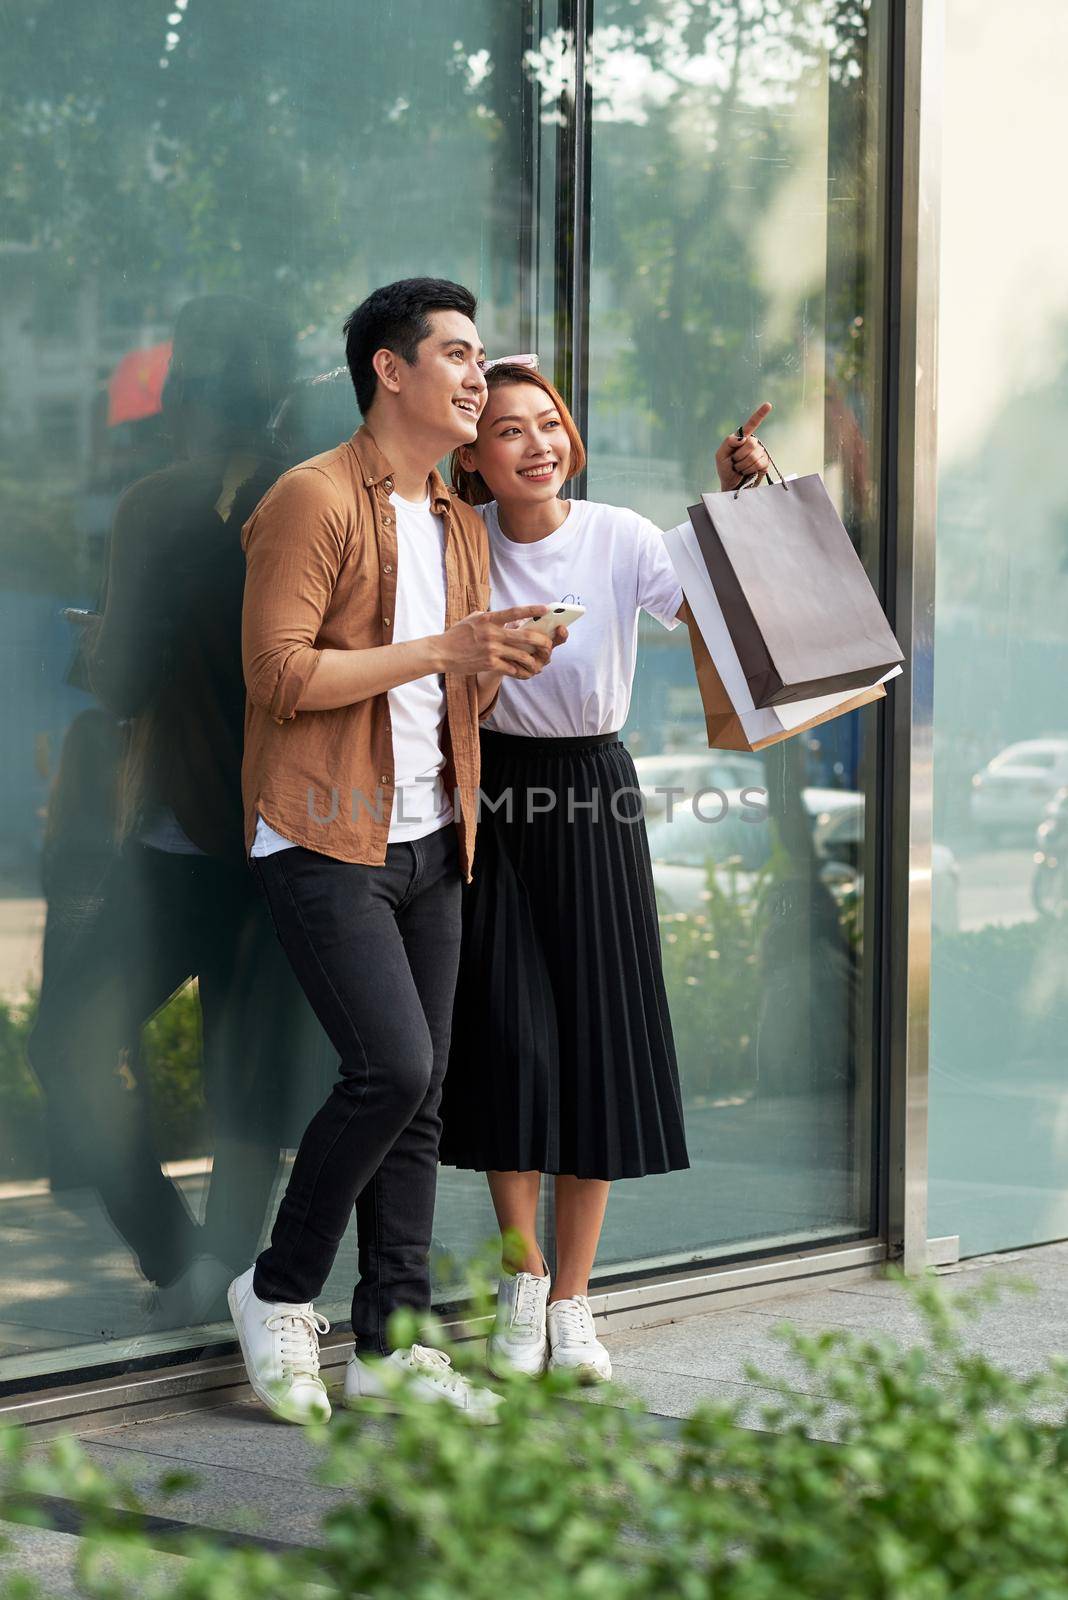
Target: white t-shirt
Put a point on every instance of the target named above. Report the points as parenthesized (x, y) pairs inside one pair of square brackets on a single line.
[(613, 562), (417, 709)]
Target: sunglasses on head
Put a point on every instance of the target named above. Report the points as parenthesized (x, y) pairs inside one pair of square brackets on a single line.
[(528, 360)]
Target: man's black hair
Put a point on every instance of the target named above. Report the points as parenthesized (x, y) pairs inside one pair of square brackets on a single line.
[(397, 318)]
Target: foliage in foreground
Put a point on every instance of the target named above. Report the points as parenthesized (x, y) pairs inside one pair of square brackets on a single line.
[(913, 1474)]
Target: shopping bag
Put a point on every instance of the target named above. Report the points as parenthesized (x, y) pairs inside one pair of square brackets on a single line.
[(732, 720), (802, 615)]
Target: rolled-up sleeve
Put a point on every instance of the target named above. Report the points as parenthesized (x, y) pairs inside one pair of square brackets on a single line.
[(294, 545)]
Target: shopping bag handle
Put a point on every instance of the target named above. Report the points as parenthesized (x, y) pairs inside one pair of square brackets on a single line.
[(753, 478)]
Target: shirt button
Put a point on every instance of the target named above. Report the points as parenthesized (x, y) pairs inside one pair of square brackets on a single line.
[(384, 778), (387, 522), (385, 622), (387, 567), (389, 484)]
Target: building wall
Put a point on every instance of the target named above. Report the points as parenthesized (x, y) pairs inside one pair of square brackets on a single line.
[(999, 985)]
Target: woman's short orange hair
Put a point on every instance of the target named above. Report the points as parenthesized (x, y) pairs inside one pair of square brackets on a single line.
[(470, 485)]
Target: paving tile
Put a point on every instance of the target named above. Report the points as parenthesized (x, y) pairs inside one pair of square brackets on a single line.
[(225, 1496), (669, 1394), (49, 1559), (243, 1437)]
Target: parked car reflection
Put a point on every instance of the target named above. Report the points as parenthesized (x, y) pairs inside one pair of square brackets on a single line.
[(1008, 794), (685, 849), (696, 770), (739, 845), (1049, 882)]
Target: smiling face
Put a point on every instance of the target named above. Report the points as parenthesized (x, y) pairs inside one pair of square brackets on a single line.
[(522, 450), (441, 394)]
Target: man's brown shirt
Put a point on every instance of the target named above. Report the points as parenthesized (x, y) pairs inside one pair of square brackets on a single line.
[(321, 555)]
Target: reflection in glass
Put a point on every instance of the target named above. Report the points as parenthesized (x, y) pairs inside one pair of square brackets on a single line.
[(737, 192), (193, 211)]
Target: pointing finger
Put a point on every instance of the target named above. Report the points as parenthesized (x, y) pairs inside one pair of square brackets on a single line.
[(755, 420)]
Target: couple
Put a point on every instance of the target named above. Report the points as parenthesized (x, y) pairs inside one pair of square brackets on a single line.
[(392, 671)]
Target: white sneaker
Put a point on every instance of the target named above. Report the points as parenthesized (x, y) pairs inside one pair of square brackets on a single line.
[(422, 1374), (518, 1342), (280, 1344), (573, 1342)]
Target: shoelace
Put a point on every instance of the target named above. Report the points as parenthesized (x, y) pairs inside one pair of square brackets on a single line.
[(525, 1310), (437, 1367), (574, 1321), (300, 1332)]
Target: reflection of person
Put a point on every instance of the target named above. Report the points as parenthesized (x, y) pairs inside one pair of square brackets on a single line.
[(368, 658), (178, 902), (562, 1058), (314, 415)]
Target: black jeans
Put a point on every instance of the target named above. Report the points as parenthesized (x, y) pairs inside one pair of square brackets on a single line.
[(376, 950)]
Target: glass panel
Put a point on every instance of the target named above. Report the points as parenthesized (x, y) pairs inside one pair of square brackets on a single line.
[(737, 257), (999, 978), (193, 205)]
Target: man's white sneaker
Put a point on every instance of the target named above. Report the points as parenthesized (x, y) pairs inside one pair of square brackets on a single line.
[(573, 1342), (421, 1374), (280, 1344), (518, 1342)]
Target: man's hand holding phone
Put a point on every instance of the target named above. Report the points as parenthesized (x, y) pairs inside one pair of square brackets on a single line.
[(499, 642)]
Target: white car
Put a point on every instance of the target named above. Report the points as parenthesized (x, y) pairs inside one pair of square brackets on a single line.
[(1011, 791), (737, 847), (684, 849), (693, 771)]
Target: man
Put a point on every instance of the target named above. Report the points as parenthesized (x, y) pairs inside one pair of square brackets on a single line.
[(369, 659)]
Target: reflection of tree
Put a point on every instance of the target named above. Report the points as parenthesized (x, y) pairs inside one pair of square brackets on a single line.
[(695, 103), (300, 161), (1001, 644), (298, 153)]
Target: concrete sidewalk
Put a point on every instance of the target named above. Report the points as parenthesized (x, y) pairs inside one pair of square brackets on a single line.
[(255, 1477)]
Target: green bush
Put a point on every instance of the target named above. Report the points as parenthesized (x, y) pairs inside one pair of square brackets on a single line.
[(171, 1064), (758, 950), (998, 994), (918, 1473), (21, 1134), (712, 975)]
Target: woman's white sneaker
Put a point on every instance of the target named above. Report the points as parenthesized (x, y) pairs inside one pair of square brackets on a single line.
[(519, 1342), (419, 1374), (280, 1344), (573, 1342)]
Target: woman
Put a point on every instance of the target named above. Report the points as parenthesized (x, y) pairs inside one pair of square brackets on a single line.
[(562, 1057)]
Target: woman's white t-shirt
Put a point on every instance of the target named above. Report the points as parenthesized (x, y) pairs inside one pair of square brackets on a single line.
[(613, 562)]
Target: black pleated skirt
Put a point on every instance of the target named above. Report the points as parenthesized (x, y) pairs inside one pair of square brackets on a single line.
[(562, 1056)]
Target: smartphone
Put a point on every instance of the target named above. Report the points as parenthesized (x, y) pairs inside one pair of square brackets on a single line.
[(560, 616)]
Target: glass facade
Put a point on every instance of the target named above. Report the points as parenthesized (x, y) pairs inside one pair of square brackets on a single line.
[(736, 257), (999, 974), (192, 206)]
